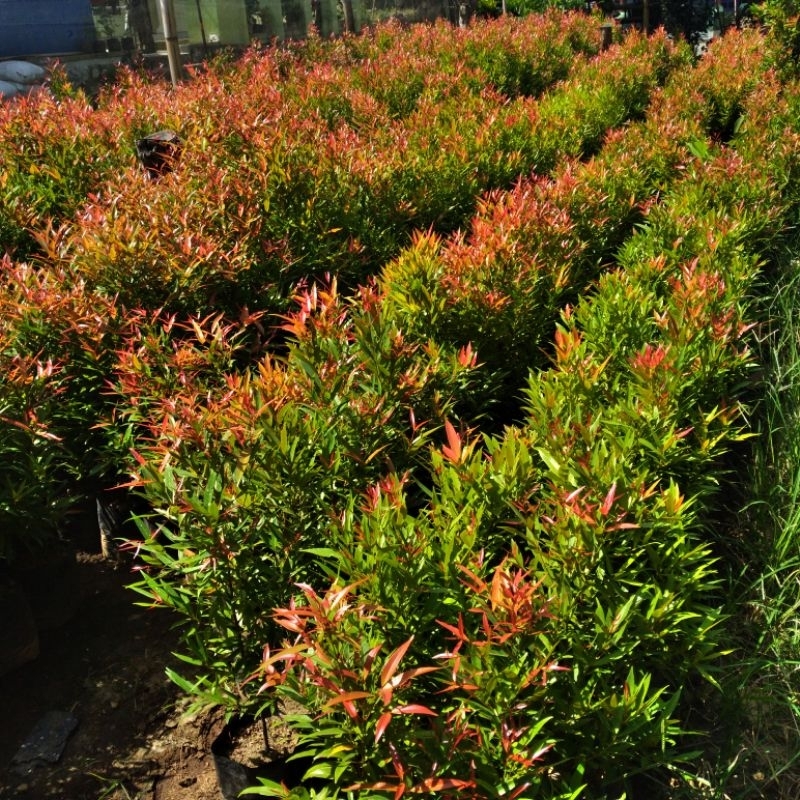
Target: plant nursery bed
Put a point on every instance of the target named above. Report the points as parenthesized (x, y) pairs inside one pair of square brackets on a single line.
[(128, 736)]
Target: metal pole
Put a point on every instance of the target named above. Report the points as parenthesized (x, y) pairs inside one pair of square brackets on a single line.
[(202, 28), (171, 40), (349, 19)]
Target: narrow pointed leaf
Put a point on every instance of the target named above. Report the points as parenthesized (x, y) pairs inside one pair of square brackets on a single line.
[(383, 723), (414, 708), (393, 661), (346, 697), (452, 450)]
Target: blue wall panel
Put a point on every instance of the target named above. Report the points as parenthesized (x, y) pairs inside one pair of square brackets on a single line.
[(38, 27)]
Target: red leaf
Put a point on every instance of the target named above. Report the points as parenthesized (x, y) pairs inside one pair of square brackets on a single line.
[(402, 678), (378, 786), (351, 709), (383, 723), (393, 661), (623, 526), (414, 708), (371, 656), (466, 356), (457, 632), (385, 694), (452, 450), (573, 496), (609, 501), (346, 697), (439, 784), (499, 587)]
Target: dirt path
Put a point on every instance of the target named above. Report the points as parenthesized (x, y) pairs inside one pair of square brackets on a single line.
[(106, 667)]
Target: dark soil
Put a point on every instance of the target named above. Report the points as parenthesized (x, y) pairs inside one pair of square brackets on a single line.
[(106, 665)]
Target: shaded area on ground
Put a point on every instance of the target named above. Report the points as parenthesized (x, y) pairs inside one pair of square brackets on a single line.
[(106, 666)]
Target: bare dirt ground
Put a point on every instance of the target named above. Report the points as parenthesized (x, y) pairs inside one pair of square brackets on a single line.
[(106, 666)]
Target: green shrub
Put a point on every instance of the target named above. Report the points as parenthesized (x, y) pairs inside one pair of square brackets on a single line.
[(247, 468), (55, 152), (56, 354)]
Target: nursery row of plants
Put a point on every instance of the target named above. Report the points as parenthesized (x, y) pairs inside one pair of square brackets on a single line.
[(434, 360)]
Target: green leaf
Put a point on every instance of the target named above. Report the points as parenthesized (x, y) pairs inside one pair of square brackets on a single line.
[(553, 464), (324, 552), (320, 770), (187, 686), (268, 788)]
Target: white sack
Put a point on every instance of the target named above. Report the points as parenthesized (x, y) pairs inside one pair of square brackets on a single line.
[(8, 90), (21, 72)]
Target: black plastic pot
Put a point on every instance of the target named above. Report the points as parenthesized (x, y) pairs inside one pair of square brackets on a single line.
[(157, 152)]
